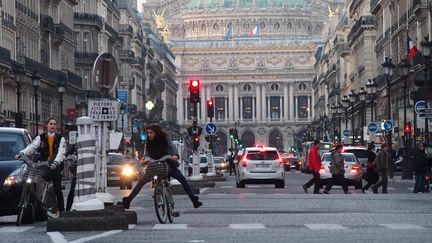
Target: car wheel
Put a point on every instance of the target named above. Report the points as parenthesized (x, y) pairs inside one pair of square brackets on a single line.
[(280, 184), (241, 184)]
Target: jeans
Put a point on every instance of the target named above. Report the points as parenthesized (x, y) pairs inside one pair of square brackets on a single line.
[(315, 180), (71, 194), (382, 182), (419, 183), (337, 178)]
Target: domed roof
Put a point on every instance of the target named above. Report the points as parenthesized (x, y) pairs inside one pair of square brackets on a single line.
[(200, 4)]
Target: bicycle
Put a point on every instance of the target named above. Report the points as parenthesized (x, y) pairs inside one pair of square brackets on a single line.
[(31, 181), (162, 195)]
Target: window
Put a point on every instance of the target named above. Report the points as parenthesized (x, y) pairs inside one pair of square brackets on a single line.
[(247, 107), (220, 108), (10, 145), (262, 155), (275, 107), (303, 107), (86, 42)]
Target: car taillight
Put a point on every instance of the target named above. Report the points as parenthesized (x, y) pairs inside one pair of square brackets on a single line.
[(243, 162), (322, 169), (281, 163), (355, 169)]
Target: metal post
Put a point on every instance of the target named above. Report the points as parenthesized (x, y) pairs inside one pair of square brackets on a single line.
[(363, 115), (390, 137), (18, 115), (61, 111), (346, 118), (195, 156), (352, 124), (36, 110), (372, 108)]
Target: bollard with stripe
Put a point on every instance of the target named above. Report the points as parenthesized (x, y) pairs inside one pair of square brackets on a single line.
[(85, 191)]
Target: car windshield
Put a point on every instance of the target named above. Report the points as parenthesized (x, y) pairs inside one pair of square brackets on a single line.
[(218, 160), (349, 158), (115, 159), (10, 145), (359, 153), (262, 155), (203, 160)]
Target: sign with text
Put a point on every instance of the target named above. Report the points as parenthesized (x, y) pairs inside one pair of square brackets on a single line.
[(103, 109)]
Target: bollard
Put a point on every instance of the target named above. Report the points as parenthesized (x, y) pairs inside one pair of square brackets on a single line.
[(85, 191)]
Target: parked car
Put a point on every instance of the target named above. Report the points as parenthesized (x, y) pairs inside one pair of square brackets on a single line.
[(202, 163), (291, 162), (220, 163), (12, 141), (361, 153), (119, 171), (260, 165), (353, 169)]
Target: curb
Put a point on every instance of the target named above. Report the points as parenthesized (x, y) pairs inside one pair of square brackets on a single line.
[(110, 218)]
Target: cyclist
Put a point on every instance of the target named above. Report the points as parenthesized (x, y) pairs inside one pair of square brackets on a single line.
[(51, 146), (158, 145)]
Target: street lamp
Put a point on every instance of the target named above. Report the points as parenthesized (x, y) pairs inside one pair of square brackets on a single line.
[(404, 68), (388, 71), (334, 111), (61, 90), (340, 110), (122, 112), (362, 95), (18, 73), (352, 100), (345, 105), (371, 89), (36, 83)]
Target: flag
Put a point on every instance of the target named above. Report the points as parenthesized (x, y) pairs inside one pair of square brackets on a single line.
[(229, 33), (255, 31), (411, 48)]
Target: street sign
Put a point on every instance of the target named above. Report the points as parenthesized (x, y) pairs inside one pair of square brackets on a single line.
[(425, 112), (210, 128), (419, 105), (372, 127), (388, 125), (103, 109), (346, 133)]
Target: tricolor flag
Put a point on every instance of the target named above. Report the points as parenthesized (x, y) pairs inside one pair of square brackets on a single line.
[(229, 34), (255, 31), (411, 48)]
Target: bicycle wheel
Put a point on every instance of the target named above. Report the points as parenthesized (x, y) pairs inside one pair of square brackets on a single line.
[(24, 207), (170, 207), (50, 202), (160, 204)]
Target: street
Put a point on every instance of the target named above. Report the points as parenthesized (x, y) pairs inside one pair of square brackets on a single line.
[(261, 213)]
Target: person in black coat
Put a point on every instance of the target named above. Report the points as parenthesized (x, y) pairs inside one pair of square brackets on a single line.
[(419, 168), (371, 175)]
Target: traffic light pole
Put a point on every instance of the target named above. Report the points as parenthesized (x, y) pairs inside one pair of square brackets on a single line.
[(195, 156), (211, 169)]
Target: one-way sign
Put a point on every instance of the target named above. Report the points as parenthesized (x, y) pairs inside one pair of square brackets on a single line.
[(210, 128)]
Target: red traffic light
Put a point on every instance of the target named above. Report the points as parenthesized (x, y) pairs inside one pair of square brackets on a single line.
[(194, 83), (407, 128), (210, 102)]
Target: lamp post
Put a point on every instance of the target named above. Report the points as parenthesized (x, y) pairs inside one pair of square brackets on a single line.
[(333, 109), (371, 89), (362, 95), (388, 71), (61, 90), (339, 112), (36, 83), (122, 112), (426, 47), (352, 100), (404, 67), (18, 73), (345, 105)]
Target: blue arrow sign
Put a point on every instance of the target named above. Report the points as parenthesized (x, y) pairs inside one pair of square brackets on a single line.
[(372, 127), (419, 105), (211, 128), (346, 132), (388, 125)]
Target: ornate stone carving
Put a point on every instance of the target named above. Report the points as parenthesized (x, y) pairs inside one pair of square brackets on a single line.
[(205, 64), (261, 131), (246, 60), (219, 61), (191, 62), (303, 59), (274, 60), (260, 63)]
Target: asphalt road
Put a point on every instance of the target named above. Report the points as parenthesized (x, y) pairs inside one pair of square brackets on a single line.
[(261, 213)]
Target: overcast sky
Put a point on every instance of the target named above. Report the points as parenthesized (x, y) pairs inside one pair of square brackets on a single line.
[(140, 4)]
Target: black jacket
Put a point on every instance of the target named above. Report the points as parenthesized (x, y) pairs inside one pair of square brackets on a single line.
[(419, 162)]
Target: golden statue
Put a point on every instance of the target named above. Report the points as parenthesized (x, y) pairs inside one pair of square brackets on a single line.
[(161, 25)]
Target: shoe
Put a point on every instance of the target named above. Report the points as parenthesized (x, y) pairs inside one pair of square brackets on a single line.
[(347, 192), (176, 214), (384, 192), (126, 202), (196, 203), (326, 192), (305, 189), (363, 190), (375, 190), (54, 215)]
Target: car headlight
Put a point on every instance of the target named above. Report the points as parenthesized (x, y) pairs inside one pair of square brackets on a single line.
[(15, 177), (127, 171)]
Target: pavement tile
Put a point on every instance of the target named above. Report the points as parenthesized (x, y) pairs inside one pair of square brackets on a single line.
[(170, 227), (402, 226), (15, 229), (247, 226)]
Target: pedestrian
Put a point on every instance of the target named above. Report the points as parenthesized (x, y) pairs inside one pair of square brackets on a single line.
[(231, 157), (314, 166), (419, 168), (158, 145), (371, 176), (391, 161), (51, 147), (337, 170), (381, 164)]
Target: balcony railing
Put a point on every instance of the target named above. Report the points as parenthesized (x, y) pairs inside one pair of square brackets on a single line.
[(126, 28), (5, 55), (88, 19), (85, 57), (112, 31), (363, 22), (354, 5), (65, 29), (374, 6), (46, 23)]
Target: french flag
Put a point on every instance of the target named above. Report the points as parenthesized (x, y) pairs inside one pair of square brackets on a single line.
[(255, 31), (411, 48)]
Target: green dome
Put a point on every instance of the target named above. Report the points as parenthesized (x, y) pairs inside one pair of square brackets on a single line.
[(200, 4)]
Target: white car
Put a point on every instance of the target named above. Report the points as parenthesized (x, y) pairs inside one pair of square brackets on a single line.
[(260, 165), (353, 169), (202, 163)]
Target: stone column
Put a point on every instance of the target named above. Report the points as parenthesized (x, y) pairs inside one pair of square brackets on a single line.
[(241, 108), (268, 107), (203, 103), (258, 102), (280, 108), (253, 109), (236, 104), (226, 109), (291, 101), (263, 103), (285, 102), (181, 108), (231, 103), (310, 107)]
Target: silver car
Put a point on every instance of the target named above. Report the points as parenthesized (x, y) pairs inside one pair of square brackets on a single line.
[(353, 169), (260, 165)]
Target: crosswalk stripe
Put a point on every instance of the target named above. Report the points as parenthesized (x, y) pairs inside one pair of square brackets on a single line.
[(15, 229), (391, 188), (226, 187), (254, 186), (247, 226), (325, 226), (170, 226), (402, 226)]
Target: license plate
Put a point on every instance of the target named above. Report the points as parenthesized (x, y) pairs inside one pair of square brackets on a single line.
[(114, 178), (263, 166)]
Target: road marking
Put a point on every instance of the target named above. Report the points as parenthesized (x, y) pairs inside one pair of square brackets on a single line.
[(253, 186), (202, 190), (391, 188), (402, 226), (226, 187), (131, 226), (170, 226), (410, 188), (89, 238), (247, 226), (57, 237), (15, 229), (217, 194), (197, 241), (248, 194), (325, 226)]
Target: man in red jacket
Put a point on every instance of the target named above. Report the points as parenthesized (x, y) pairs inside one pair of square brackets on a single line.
[(314, 166)]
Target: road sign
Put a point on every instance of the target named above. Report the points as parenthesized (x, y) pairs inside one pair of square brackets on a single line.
[(372, 127), (103, 109), (419, 105), (346, 132), (388, 125), (425, 112), (210, 128)]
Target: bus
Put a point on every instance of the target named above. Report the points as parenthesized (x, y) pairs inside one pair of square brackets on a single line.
[(323, 147)]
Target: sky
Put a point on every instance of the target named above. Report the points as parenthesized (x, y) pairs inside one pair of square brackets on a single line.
[(140, 2)]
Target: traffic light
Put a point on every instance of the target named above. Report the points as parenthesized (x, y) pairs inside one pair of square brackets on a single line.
[(195, 142), (194, 89), (407, 128), (231, 133), (210, 108), (293, 149)]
